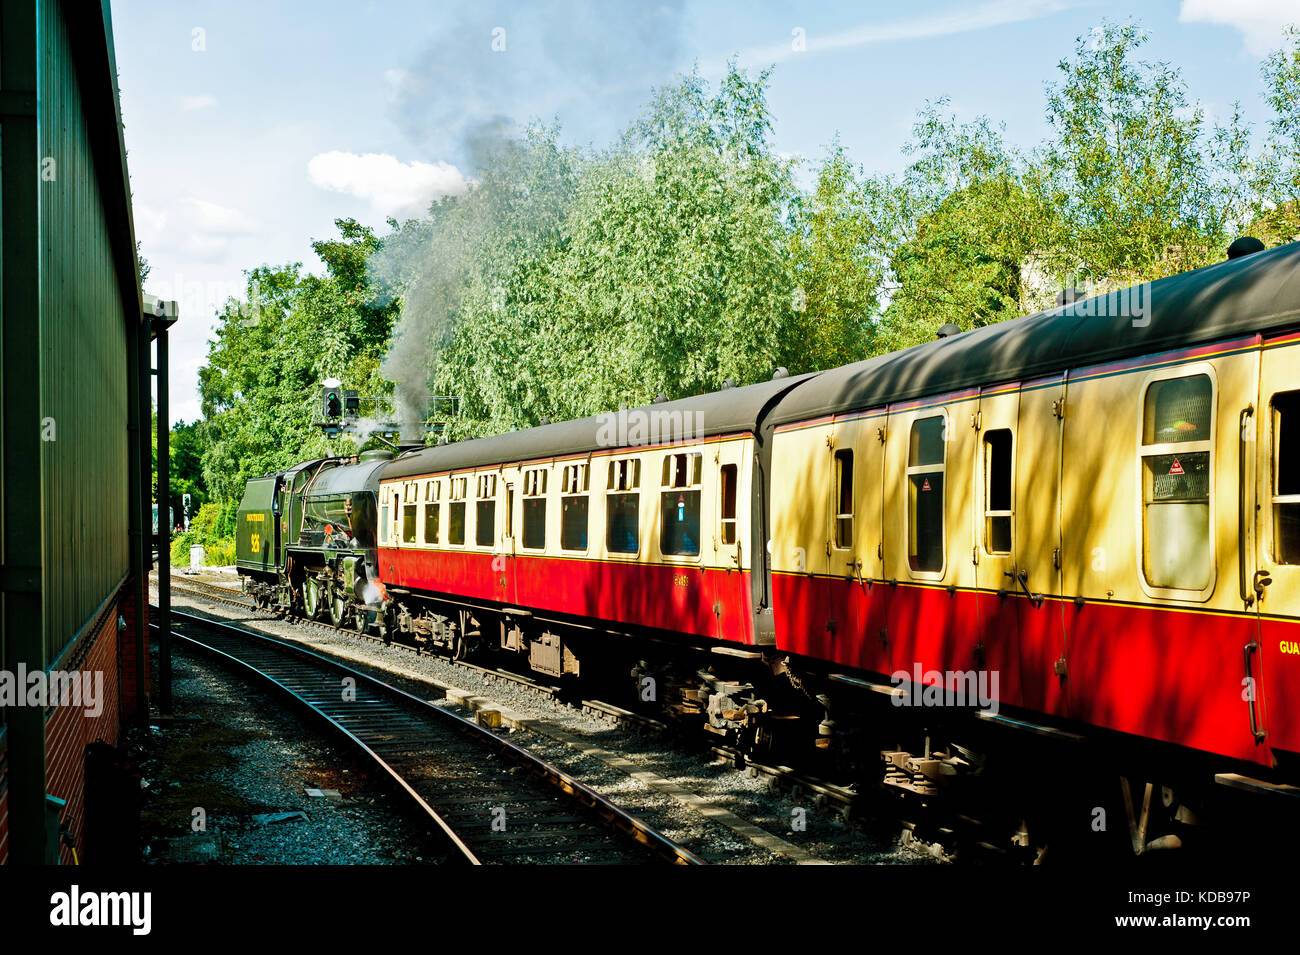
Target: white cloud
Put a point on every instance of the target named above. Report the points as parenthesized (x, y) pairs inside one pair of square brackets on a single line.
[(1260, 22), (392, 187), (189, 103), (214, 219), (981, 16), (199, 227)]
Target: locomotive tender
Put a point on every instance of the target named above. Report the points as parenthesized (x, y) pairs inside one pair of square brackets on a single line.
[(1099, 505)]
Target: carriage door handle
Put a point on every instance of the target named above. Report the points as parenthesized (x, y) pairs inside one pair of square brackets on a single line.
[(1255, 730), (1022, 578)]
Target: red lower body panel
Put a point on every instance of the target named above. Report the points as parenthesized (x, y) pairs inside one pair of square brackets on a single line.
[(704, 601), (1170, 675)]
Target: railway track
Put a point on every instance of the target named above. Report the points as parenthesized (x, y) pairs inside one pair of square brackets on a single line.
[(840, 800), (938, 831), (492, 801)]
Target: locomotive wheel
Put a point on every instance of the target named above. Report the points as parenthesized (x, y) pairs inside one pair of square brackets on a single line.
[(384, 624), (338, 606), (312, 601), (361, 619), (460, 647)]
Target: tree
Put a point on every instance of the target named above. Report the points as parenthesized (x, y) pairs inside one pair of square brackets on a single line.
[(1278, 170), (1128, 169), (967, 255), (840, 239), (261, 385)]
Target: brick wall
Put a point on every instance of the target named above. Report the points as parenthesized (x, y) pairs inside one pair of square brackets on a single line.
[(126, 656), (4, 800), (70, 729)]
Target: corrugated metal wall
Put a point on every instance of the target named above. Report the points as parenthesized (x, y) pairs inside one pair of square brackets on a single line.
[(84, 390)]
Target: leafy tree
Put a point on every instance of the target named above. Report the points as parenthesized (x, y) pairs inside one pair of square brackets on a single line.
[(1278, 169), (977, 227), (261, 386), (841, 237), (1128, 168)]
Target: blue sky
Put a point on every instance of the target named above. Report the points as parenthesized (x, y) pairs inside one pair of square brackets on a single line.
[(250, 127)]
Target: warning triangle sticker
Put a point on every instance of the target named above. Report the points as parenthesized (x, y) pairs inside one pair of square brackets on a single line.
[(1176, 468), (926, 485)]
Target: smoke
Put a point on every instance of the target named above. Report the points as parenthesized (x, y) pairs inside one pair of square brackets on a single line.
[(486, 73), (492, 66), (361, 429)]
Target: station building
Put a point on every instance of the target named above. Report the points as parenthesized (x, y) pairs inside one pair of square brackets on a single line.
[(75, 408)]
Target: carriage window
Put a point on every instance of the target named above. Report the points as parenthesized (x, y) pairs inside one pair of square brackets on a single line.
[(456, 512), (925, 467), (728, 504), (408, 522), (535, 509), (622, 529), (843, 499), (1176, 418), (573, 507), (432, 513), (485, 512), (997, 491), (383, 522), (679, 512), (1286, 478)]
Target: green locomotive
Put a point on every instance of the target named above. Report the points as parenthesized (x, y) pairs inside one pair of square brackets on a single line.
[(307, 537)]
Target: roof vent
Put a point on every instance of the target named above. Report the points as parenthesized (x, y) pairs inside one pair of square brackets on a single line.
[(947, 331), (1246, 245), (376, 454), (543, 421), (660, 398), (728, 384), (781, 372)]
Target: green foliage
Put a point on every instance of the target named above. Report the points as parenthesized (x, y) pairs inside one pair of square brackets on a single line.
[(213, 527), (840, 241), (1131, 170), (261, 386), (1277, 173), (572, 281), (975, 225)]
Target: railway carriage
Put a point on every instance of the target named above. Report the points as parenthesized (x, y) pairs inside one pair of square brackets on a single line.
[(1090, 517), (650, 520), (1097, 503)]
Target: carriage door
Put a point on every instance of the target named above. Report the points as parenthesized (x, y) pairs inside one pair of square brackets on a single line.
[(1035, 583), (505, 562), (1274, 662), (994, 547), (732, 597)]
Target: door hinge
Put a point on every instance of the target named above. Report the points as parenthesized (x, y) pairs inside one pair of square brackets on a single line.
[(1058, 408), (880, 435), (977, 420), (1056, 557), (1060, 667), (975, 554)]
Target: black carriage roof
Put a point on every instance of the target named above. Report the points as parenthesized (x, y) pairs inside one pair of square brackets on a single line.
[(1231, 298), (720, 412)]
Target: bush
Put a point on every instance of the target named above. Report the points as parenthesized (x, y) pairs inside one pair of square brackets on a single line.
[(213, 527)]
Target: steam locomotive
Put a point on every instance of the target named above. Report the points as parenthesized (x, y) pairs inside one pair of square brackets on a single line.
[(1079, 529)]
